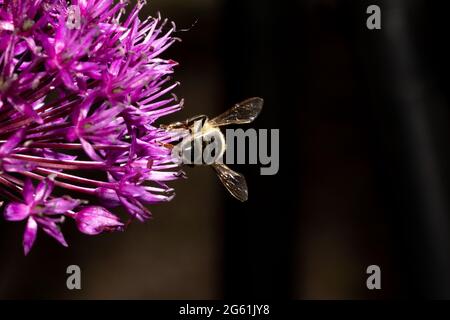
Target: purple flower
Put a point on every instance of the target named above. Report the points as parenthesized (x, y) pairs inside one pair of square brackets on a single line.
[(7, 163), (81, 86), (40, 210), (94, 220)]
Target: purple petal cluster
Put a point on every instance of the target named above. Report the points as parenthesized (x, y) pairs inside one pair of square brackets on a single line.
[(81, 86)]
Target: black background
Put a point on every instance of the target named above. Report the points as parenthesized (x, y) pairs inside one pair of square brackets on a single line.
[(364, 149)]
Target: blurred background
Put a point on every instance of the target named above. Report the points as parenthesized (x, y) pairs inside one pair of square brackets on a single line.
[(364, 164)]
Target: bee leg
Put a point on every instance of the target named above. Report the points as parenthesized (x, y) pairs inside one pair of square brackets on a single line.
[(186, 124), (175, 125), (195, 118)]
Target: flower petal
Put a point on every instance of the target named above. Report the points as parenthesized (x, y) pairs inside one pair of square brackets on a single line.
[(29, 235), (44, 189), (52, 229), (67, 80), (12, 142), (28, 191), (90, 151), (16, 211), (94, 220), (26, 109), (60, 205)]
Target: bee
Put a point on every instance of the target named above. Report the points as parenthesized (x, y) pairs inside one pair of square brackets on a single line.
[(201, 129)]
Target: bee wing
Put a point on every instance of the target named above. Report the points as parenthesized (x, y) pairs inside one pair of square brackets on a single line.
[(244, 112), (233, 181)]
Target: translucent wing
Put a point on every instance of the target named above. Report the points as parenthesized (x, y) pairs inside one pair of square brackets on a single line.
[(233, 181), (244, 112)]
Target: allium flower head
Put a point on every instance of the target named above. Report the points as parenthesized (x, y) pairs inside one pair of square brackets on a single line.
[(81, 86)]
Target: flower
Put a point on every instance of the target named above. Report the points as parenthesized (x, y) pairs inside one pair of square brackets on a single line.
[(94, 220), (40, 210), (81, 86)]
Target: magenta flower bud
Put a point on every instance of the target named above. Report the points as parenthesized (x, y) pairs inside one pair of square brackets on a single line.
[(95, 220)]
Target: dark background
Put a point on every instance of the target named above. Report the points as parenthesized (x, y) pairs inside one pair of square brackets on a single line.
[(364, 131)]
